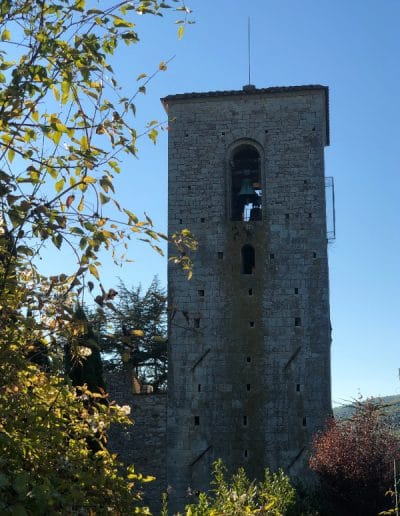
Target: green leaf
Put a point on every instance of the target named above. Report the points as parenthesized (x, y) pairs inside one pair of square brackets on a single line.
[(104, 199), (57, 240)]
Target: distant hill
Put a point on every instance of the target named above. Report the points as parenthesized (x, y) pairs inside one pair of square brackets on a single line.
[(391, 406)]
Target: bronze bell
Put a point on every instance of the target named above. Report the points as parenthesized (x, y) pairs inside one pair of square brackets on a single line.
[(247, 190)]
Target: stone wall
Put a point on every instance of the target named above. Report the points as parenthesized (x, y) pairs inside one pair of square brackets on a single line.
[(144, 443), (249, 354)]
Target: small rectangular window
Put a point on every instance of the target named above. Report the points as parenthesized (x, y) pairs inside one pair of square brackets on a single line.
[(298, 387), (296, 290), (244, 420), (197, 323), (297, 321), (202, 220), (196, 420), (201, 292), (304, 421), (248, 387), (199, 387), (245, 454), (272, 256), (248, 359), (251, 324), (220, 255)]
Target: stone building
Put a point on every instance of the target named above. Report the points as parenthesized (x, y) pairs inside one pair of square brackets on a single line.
[(249, 357)]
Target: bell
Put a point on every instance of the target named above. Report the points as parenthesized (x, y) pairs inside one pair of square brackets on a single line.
[(247, 189)]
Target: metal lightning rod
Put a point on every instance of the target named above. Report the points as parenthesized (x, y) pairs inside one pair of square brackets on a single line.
[(248, 43)]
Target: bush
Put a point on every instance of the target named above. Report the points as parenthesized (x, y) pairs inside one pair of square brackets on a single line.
[(274, 496), (354, 462)]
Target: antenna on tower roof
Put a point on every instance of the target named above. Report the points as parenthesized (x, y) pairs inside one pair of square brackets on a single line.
[(248, 86), (248, 44)]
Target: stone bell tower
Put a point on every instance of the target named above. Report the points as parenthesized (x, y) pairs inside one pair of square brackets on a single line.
[(249, 336)]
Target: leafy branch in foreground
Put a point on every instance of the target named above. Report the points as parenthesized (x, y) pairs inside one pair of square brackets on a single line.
[(64, 126)]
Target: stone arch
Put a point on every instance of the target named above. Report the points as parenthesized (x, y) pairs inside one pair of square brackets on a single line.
[(245, 192)]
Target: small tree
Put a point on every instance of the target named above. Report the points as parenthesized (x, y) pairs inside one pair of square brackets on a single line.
[(353, 459)]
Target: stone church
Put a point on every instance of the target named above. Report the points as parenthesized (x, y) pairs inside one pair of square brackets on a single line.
[(249, 343)]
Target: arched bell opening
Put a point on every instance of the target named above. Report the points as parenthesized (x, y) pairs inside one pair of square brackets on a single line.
[(246, 190)]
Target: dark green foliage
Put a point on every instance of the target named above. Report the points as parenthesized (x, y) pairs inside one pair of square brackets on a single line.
[(134, 333), (82, 356)]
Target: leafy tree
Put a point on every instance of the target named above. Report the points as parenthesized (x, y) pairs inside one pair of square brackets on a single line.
[(274, 496), (82, 355), (353, 459), (133, 332), (64, 124)]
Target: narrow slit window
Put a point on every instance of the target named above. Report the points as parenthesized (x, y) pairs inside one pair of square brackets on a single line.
[(244, 420), (250, 291), (197, 323), (304, 421), (248, 259), (202, 220), (298, 387), (196, 420), (297, 321), (248, 387), (199, 387), (296, 290), (245, 454)]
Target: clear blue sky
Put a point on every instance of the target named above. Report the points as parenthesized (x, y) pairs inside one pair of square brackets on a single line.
[(354, 48)]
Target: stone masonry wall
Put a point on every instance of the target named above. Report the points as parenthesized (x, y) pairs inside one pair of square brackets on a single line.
[(144, 443), (251, 395)]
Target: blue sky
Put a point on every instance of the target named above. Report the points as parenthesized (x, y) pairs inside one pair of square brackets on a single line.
[(351, 46)]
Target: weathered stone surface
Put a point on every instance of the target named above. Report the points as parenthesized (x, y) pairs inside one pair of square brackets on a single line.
[(144, 443), (253, 396)]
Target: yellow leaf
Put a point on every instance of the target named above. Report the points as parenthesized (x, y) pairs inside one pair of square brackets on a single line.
[(137, 333), (11, 155), (181, 30), (162, 66), (65, 86), (88, 180), (93, 270), (6, 35), (81, 204), (84, 143), (35, 116), (59, 185), (56, 93)]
